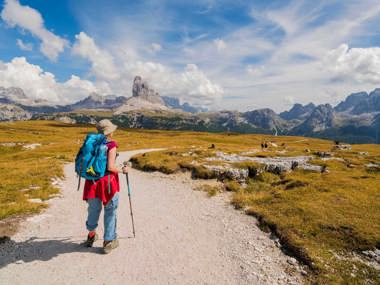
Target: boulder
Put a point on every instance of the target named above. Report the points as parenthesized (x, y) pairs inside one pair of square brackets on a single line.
[(227, 172)]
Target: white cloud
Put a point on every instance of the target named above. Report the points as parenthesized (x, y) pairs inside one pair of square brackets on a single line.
[(103, 66), (289, 100), (190, 84), (220, 44), (281, 54), (154, 48), (24, 46), (359, 64), (27, 18), (40, 84), (199, 87)]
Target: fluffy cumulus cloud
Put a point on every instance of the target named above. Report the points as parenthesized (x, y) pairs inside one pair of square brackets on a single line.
[(39, 84), (29, 19), (103, 66), (199, 87), (24, 46), (359, 64), (190, 84)]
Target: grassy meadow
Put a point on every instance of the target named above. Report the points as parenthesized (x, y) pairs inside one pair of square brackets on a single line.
[(325, 219)]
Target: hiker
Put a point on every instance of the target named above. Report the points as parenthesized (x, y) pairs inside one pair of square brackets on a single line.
[(104, 191)]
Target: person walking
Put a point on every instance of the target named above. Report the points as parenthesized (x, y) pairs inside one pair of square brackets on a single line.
[(104, 191)]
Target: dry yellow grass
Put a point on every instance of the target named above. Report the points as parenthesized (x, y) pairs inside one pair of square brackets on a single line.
[(325, 219)]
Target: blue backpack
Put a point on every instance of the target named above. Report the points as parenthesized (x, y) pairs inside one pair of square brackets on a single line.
[(91, 160)]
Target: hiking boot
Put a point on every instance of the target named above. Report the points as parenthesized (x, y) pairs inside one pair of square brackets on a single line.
[(110, 245), (91, 238)]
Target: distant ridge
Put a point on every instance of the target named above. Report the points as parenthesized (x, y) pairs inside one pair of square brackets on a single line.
[(356, 119)]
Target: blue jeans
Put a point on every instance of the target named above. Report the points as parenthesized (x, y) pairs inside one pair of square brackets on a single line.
[(94, 209)]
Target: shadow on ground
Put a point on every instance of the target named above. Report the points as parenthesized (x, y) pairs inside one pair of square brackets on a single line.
[(39, 249)]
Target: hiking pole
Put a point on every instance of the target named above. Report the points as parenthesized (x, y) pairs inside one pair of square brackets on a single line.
[(130, 200)]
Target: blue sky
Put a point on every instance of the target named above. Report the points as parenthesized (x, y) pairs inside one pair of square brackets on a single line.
[(221, 54)]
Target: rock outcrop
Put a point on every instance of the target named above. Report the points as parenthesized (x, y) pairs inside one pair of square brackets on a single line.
[(141, 90), (272, 164), (9, 112), (143, 98), (12, 95)]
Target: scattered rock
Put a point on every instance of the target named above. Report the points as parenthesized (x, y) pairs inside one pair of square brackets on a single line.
[(272, 144), (66, 120), (8, 144), (364, 153), (373, 167), (31, 146), (373, 254), (223, 172), (324, 169), (35, 200), (294, 165), (34, 187), (342, 147), (323, 154), (272, 164), (252, 151), (292, 261)]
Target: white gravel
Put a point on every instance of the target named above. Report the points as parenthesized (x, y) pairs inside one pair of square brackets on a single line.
[(182, 237)]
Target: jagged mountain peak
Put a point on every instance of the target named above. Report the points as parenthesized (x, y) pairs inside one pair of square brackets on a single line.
[(351, 101), (320, 119), (264, 118), (142, 90), (298, 112)]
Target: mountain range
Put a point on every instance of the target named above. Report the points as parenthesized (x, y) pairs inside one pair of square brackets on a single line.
[(354, 120)]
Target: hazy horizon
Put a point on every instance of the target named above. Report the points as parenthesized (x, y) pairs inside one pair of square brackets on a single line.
[(236, 55)]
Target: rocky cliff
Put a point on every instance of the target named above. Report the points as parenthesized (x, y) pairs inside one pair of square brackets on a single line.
[(140, 89), (10, 112)]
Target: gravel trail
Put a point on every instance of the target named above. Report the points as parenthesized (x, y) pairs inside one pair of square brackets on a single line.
[(182, 237)]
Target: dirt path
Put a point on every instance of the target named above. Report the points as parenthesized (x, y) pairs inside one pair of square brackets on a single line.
[(182, 237)]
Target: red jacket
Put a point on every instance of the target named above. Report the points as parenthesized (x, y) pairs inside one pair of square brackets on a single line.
[(101, 188)]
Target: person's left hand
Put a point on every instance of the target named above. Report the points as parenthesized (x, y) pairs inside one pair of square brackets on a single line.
[(124, 169)]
